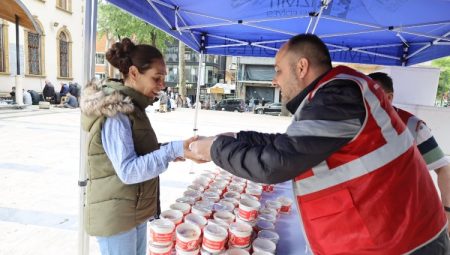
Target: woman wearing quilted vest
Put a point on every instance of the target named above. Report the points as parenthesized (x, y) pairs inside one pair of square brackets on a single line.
[(123, 153)]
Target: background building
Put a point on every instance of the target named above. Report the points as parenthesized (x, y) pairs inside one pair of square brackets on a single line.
[(55, 55), (214, 67), (254, 79)]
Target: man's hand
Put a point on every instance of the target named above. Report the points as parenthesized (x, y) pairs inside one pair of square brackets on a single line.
[(201, 148), (189, 154)]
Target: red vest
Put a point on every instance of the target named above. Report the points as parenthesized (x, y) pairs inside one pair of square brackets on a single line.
[(374, 195)]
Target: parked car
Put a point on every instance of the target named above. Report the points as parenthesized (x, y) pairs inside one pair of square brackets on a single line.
[(273, 109), (231, 105)]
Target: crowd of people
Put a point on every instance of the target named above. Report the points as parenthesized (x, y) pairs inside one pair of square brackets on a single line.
[(67, 97), (359, 166)]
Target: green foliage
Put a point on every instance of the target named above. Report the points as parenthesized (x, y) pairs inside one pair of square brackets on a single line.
[(444, 78), (118, 24)]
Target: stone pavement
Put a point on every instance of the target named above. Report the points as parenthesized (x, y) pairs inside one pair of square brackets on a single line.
[(39, 158)]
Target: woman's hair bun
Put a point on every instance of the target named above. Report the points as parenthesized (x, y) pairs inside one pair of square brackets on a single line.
[(119, 55)]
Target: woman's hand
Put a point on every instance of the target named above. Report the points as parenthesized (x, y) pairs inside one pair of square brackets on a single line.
[(201, 147), (188, 154)]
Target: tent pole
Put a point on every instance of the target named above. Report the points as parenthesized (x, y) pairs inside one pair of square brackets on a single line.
[(425, 47), (200, 79), (90, 33), (17, 46), (18, 77), (199, 83), (323, 6)]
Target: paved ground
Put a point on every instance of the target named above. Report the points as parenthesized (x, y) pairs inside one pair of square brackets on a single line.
[(39, 158)]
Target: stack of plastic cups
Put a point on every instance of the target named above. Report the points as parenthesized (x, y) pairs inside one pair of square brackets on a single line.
[(263, 245), (196, 187), (224, 205), (262, 224), (173, 215), (211, 195), (219, 223), (254, 190), (240, 235), (187, 239), (236, 187), (232, 194), (235, 251), (286, 204), (196, 219), (248, 210), (225, 208), (268, 187), (233, 201), (194, 194), (185, 208), (270, 235), (270, 211), (224, 216), (202, 210), (247, 196), (214, 238), (161, 234), (187, 200), (273, 204)]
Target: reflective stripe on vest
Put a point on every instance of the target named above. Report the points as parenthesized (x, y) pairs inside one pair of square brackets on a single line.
[(411, 121), (395, 146)]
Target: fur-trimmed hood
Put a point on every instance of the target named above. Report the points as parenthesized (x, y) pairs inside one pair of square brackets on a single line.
[(102, 100)]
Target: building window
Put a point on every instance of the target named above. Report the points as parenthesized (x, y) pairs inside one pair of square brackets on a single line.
[(99, 58), (63, 55), (34, 53), (172, 74), (64, 4)]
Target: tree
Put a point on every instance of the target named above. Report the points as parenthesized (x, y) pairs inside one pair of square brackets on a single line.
[(181, 69), (117, 24), (444, 78)]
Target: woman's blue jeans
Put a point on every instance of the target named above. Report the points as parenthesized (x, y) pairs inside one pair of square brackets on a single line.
[(132, 242)]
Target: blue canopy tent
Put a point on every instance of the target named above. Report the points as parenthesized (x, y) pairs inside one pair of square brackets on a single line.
[(384, 32)]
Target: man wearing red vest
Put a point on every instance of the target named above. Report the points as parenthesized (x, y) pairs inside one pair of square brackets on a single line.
[(427, 145), (360, 183)]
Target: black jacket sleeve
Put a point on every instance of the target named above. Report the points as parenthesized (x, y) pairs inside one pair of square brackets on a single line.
[(275, 158), (256, 138)]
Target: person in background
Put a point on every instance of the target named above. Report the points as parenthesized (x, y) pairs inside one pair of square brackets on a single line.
[(49, 92), (27, 98), (124, 156), (75, 90), (360, 183), (424, 139), (64, 89), (35, 97), (69, 101), (13, 94)]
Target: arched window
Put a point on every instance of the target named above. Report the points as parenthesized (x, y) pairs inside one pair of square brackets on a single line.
[(34, 52), (64, 56), (34, 48), (4, 65)]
